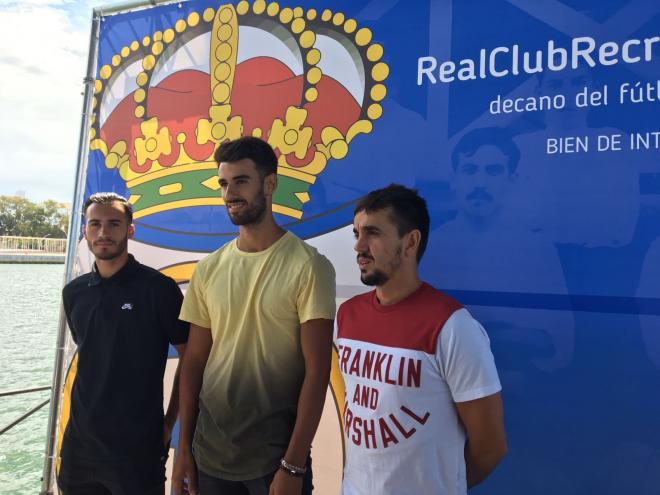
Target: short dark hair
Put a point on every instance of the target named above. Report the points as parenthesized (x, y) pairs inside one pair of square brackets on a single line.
[(108, 198), (484, 136), (408, 210), (257, 150)]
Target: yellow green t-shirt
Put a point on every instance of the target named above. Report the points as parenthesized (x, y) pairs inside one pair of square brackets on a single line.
[(254, 304)]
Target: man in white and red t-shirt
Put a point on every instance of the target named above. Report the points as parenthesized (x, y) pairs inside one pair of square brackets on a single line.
[(423, 412)]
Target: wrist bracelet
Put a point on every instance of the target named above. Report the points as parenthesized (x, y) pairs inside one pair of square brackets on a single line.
[(291, 473), (292, 470)]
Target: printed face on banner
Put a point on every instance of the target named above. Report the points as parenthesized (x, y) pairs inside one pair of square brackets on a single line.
[(566, 82), (481, 181)]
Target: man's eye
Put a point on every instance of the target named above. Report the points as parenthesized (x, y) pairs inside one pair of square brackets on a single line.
[(495, 169)]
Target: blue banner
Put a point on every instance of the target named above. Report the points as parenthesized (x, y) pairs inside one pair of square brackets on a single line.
[(530, 127)]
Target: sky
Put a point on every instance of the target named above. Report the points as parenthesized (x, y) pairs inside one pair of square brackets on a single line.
[(43, 58)]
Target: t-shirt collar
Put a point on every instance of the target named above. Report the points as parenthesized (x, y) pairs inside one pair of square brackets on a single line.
[(392, 307), (124, 272), (269, 249)]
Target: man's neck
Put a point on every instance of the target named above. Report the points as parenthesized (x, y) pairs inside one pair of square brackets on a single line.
[(482, 224), (259, 236), (107, 268), (398, 287)]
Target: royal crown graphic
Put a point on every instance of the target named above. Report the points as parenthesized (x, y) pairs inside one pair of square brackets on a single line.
[(308, 82)]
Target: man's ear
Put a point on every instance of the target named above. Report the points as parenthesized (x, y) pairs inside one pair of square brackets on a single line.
[(131, 231), (270, 184), (84, 229), (412, 242), (452, 178)]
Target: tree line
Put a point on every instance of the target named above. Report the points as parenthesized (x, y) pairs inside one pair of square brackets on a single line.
[(22, 217)]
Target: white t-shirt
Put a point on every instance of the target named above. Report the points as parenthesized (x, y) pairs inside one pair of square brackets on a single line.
[(404, 367)]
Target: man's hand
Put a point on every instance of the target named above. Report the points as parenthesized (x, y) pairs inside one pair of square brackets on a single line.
[(184, 468), (285, 484)]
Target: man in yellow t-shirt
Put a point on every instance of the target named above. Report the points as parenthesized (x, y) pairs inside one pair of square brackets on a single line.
[(255, 373)]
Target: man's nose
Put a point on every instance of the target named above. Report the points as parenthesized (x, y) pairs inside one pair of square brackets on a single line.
[(360, 244), (480, 179), (228, 192)]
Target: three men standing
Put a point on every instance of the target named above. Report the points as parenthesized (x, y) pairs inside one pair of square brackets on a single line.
[(254, 379), (423, 413)]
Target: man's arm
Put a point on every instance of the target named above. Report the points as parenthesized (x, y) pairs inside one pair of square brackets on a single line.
[(192, 373), (486, 440), (173, 405), (66, 307), (316, 343)]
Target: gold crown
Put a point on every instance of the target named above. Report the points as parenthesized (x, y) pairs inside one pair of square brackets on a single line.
[(164, 152)]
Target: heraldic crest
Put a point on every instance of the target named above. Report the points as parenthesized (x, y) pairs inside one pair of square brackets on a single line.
[(308, 82)]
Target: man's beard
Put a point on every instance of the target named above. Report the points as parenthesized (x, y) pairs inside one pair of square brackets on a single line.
[(252, 213), (109, 254), (375, 278), (480, 194), (378, 277)]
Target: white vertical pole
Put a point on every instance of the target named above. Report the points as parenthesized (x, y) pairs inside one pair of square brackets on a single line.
[(74, 229)]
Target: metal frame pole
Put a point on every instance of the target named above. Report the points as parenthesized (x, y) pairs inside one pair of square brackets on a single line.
[(23, 391), (74, 229), (24, 416)]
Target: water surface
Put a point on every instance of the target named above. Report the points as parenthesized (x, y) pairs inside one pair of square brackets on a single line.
[(30, 298)]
